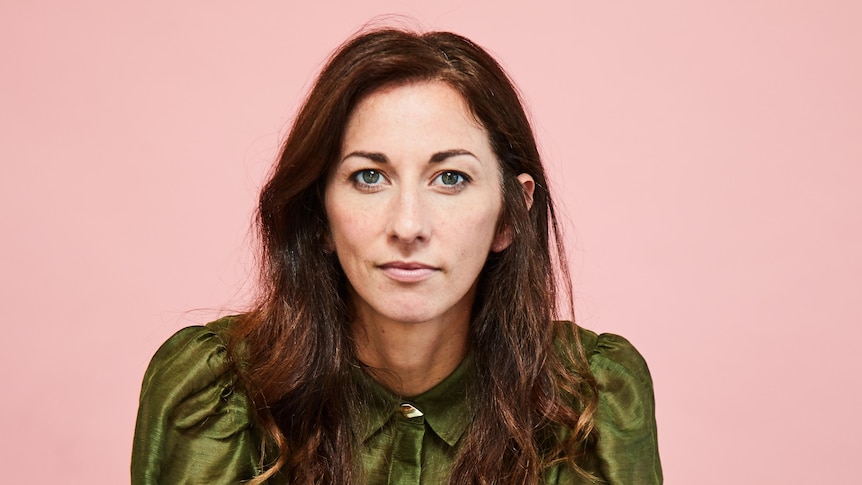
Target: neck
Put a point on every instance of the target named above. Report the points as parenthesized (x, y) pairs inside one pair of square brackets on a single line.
[(411, 358)]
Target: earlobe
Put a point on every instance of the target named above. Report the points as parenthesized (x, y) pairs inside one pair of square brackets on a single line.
[(326, 243), (502, 240)]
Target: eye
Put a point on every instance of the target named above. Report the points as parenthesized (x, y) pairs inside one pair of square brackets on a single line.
[(367, 179), (451, 180), (369, 176)]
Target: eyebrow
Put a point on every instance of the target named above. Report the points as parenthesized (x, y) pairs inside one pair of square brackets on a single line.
[(373, 156), (440, 156), (435, 158)]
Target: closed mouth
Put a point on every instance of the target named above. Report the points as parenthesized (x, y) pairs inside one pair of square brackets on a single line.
[(407, 272)]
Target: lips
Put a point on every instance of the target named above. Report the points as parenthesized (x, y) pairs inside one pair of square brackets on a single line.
[(407, 272)]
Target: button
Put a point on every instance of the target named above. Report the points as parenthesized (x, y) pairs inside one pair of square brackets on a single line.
[(409, 411)]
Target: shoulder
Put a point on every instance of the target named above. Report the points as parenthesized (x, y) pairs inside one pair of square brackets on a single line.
[(620, 371), (192, 358), (190, 378), (610, 357), (190, 405), (626, 436), (613, 357)]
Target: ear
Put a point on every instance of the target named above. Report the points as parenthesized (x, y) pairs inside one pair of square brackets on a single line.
[(529, 186), (325, 240), (504, 237)]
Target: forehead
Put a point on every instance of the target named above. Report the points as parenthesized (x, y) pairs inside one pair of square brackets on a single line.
[(432, 106)]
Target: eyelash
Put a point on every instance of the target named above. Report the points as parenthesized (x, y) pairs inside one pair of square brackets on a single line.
[(463, 180), (356, 178), (461, 184)]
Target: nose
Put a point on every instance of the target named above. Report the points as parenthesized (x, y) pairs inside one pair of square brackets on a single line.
[(408, 221)]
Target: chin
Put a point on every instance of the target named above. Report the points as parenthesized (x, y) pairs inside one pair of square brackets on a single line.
[(409, 313), (409, 318)]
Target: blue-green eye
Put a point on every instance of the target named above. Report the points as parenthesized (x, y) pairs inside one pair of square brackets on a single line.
[(451, 180), (367, 177)]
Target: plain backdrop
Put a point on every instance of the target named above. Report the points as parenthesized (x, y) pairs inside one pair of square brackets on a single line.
[(707, 157)]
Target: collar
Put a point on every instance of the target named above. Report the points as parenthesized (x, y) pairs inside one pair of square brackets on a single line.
[(444, 406)]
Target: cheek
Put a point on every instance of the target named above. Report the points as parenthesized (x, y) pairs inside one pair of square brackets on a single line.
[(475, 230), (338, 226), (350, 231), (344, 234)]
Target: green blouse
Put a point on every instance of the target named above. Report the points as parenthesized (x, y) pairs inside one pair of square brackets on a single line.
[(193, 428)]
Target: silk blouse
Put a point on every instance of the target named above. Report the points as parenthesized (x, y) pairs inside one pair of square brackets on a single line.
[(195, 426)]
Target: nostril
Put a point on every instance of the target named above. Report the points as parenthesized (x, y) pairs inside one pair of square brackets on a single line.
[(407, 221)]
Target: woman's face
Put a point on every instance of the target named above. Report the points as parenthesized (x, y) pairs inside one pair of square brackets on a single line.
[(413, 204)]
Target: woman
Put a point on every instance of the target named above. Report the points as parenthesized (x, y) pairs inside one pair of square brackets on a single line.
[(404, 332)]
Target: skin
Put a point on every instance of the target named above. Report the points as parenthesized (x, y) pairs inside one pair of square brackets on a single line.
[(413, 207)]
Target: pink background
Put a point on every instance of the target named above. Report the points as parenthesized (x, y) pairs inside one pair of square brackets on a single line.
[(708, 160)]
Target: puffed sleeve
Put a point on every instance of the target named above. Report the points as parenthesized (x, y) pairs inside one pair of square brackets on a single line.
[(193, 426), (627, 445)]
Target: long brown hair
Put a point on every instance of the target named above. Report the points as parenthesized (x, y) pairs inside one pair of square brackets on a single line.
[(294, 352)]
